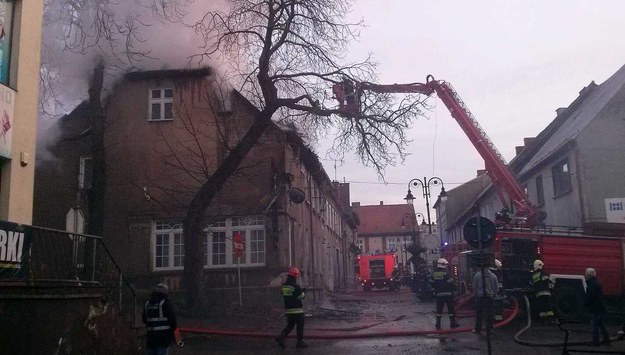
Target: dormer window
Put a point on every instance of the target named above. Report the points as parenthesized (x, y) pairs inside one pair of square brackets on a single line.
[(161, 104)]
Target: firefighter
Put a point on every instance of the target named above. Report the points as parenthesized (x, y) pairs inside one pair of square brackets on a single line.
[(541, 284), (501, 295), (444, 287), (294, 309), (160, 321)]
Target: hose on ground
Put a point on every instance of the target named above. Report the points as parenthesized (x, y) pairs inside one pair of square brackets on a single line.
[(518, 340), (334, 334)]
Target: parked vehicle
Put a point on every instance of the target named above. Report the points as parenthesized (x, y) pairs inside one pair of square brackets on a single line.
[(377, 271)]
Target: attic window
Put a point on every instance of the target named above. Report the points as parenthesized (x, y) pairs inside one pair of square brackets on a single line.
[(161, 104)]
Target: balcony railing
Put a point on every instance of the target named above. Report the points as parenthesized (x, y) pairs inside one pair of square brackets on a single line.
[(59, 258)]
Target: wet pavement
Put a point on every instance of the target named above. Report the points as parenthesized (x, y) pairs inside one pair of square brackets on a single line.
[(380, 321)]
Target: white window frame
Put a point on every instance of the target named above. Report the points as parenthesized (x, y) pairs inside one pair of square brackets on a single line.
[(253, 236), (162, 101), (85, 183), (172, 232), (360, 243)]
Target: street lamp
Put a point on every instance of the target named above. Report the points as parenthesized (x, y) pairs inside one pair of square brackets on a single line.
[(425, 186)]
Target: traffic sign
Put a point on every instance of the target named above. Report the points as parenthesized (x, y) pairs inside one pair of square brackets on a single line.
[(237, 243), (487, 232)]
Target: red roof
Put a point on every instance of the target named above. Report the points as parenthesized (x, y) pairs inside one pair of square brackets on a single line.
[(381, 219)]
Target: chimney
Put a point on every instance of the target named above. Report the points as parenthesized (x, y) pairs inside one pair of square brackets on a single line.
[(481, 172), (381, 203), (528, 140), (355, 205), (519, 149), (560, 110)]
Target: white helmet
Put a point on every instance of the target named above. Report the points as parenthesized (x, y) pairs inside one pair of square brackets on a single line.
[(538, 264), (442, 262), (498, 264)]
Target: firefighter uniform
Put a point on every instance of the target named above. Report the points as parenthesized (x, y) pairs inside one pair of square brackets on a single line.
[(500, 297), (160, 321), (541, 285), (294, 309), (444, 287)]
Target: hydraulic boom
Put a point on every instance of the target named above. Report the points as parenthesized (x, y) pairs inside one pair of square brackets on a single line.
[(348, 94)]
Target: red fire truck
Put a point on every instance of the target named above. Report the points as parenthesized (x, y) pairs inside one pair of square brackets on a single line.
[(376, 271), (518, 242)]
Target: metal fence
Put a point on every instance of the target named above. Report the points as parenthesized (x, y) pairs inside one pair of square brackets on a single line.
[(79, 260)]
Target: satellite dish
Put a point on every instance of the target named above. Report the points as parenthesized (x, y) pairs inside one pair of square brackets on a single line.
[(296, 195)]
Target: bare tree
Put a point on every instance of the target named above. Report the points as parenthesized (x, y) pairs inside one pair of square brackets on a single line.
[(285, 56)]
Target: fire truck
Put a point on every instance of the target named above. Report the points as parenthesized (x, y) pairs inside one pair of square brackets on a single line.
[(518, 240), (376, 271)]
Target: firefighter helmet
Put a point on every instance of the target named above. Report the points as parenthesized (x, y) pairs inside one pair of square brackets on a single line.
[(538, 265), (293, 271), (498, 264), (442, 262), (161, 288)]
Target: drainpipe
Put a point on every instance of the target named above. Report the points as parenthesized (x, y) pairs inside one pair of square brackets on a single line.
[(312, 235)]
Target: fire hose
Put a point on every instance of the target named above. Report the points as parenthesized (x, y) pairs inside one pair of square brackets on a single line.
[(336, 335)]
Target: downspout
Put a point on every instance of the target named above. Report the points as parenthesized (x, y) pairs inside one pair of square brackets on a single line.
[(312, 235), (579, 188)]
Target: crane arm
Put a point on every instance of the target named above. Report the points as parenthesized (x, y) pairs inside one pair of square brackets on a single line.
[(500, 174)]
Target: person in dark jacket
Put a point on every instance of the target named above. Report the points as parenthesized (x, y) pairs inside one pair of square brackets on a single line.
[(541, 284), (596, 307), (444, 287), (294, 309), (160, 321)]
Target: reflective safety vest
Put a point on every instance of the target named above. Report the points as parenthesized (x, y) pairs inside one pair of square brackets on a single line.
[(442, 283), (155, 319), (293, 296), (540, 283)]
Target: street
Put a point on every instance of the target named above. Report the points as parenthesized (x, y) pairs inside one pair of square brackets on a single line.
[(367, 323)]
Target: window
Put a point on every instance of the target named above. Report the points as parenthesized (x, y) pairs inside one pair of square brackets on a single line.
[(616, 206), (220, 244), (391, 244), (6, 20), (168, 245), (540, 192), (85, 175), (161, 104), (360, 243), (561, 178)]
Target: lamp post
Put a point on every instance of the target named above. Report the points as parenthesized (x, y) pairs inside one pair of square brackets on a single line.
[(425, 186)]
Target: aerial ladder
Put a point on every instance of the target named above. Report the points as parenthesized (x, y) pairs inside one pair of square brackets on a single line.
[(348, 94)]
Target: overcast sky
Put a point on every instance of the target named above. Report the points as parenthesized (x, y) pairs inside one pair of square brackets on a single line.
[(512, 62)]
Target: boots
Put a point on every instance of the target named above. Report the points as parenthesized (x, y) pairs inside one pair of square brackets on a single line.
[(280, 340), (438, 322), (452, 322), (300, 344)]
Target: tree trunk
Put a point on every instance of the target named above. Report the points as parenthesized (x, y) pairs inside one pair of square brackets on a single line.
[(194, 221)]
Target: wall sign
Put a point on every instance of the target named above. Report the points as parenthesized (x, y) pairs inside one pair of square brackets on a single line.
[(6, 27)]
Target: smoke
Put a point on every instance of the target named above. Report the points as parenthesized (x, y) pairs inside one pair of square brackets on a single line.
[(125, 36)]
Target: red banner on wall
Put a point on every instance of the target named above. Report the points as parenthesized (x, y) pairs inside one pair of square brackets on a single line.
[(237, 243)]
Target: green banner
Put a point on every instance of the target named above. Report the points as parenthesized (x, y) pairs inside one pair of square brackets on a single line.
[(15, 241)]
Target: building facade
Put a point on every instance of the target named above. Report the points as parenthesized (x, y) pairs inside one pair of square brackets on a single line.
[(387, 229), (165, 132), (19, 87), (568, 170)]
